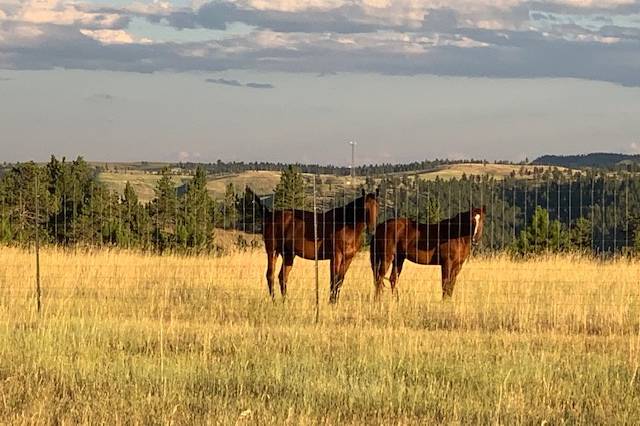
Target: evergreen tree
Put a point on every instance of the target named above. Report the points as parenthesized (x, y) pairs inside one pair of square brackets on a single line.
[(636, 242), (197, 207), (289, 192), (130, 233), (542, 235), (21, 186), (230, 207), (580, 234), (164, 212), (433, 211)]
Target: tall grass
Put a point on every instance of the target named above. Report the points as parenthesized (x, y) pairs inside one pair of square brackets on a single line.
[(131, 338)]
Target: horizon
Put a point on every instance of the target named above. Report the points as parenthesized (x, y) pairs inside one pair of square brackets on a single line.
[(444, 161), (248, 80)]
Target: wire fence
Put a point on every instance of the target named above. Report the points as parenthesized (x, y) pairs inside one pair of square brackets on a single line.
[(525, 215)]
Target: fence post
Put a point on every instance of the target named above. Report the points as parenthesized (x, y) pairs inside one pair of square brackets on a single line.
[(315, 246), (37, 225)]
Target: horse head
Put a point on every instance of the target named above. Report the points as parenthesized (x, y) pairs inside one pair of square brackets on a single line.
[(477, 215), (371, 209)]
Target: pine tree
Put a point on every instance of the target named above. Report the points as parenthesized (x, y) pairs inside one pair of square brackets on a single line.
[(21, 186), (289, 192), (5, 224), (197, 208), (580, 234), (433, 211), (129, 235), (164, 212), (542, 235), (230, 207)]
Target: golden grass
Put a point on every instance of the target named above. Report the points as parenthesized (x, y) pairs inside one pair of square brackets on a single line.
[(143, 183), (264, 182), (498, 171), (132, 338)]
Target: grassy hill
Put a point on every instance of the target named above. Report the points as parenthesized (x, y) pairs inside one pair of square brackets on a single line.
[(264, 182), (597, 160), (498, 171), (143, 183)]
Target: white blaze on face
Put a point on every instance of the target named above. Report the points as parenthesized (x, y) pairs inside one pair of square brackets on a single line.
[(476, 220)]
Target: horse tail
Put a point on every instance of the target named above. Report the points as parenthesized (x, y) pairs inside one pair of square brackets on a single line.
[(372, 253), (376, 260)]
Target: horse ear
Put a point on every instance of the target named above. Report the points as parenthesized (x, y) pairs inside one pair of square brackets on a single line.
[(377, 192), (363, 193), (484, 209)]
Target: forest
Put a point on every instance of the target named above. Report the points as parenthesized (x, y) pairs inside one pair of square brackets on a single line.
[(536, 210)]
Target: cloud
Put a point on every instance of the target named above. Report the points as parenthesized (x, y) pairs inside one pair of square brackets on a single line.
[(236, 83), (101, 97), (62, 12), (184, 156), (224, 82), (586, 39), (260, 85)]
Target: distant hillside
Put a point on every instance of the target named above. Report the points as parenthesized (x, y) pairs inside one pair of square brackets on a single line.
[(264, 182), (597, 159)]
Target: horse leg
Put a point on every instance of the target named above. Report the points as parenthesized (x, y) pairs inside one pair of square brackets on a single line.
[(340, 276), (450, 272), (272, 257), (395, 273), (382, 262), (287, 263), (336, 265), (374, 257)]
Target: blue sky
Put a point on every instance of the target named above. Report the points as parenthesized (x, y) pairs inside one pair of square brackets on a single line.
[(293, 80)]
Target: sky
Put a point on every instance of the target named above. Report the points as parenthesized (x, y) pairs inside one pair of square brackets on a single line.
[(295, 80)]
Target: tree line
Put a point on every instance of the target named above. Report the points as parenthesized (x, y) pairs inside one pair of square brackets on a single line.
[(222, 167), (74, 208), (532, 211)]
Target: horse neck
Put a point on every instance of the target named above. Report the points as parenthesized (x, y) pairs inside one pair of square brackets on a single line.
[(341, 217), (457, 228)]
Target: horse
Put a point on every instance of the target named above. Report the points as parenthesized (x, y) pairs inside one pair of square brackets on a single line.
[(447, 243), (290, 233)]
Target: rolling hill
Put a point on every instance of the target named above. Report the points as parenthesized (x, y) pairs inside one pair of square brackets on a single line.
[(595, 160), (264, 182)]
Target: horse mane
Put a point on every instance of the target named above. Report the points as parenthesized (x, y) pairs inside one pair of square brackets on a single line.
[(348, 213), (460, 223), (462, 217)]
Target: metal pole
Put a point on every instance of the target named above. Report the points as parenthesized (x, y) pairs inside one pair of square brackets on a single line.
[(38, 302), (315, 246), (353, 161)]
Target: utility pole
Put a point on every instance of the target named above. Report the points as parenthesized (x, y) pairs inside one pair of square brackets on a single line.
[(37, 223), (353, 161)]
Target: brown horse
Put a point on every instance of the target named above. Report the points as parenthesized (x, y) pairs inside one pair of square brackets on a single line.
[(290, 233), (447, 243)]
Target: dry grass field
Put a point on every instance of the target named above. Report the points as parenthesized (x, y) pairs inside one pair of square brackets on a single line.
[(143, 183), (264, 182), (498, 171), (143, 339)]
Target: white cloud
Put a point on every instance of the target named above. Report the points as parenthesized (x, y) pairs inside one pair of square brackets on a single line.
[(109, 36), (63, 12), (498, 38)]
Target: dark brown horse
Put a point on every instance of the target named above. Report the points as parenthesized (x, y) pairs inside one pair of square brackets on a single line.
[(290, 233), (447, 243)]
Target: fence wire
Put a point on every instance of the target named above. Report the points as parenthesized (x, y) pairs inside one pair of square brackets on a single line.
[(526, 216)]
